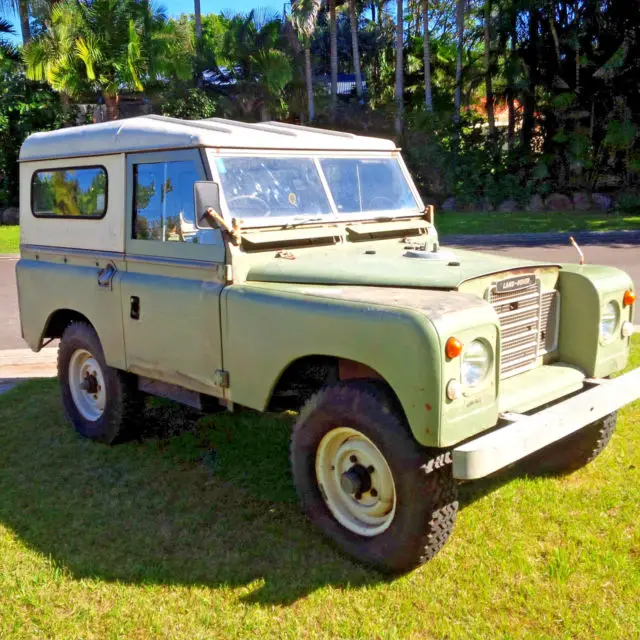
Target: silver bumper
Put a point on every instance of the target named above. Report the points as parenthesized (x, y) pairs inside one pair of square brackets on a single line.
[(526, 434)]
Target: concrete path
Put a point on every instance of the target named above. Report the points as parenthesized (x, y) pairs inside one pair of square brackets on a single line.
[(17, 365)]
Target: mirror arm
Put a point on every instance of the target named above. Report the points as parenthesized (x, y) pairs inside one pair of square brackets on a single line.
[(235, 231)]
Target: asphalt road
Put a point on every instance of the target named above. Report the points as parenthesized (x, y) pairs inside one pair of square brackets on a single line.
[(625, 255)]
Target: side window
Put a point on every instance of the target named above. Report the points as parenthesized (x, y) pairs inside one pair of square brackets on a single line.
[(79, 192), (163, 207)]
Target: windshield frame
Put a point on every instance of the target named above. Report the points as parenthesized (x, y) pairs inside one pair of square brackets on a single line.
[(335, 216)]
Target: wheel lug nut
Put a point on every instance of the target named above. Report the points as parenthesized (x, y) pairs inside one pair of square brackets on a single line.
[(373, 492), (353, 459), (358, 496), (370, 468)]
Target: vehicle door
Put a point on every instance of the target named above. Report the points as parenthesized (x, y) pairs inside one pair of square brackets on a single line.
[(175, 274)]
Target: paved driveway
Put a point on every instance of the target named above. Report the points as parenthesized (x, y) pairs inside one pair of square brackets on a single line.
[(10, 337), (624, 255)]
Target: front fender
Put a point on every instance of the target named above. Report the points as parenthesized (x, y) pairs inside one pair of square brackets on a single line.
[(266, 327)]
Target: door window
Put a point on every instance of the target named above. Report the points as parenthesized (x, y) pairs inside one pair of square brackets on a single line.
[(163, 207)]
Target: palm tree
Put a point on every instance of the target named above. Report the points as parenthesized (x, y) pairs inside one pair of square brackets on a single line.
[(304, 14), (399, 66), (7, 50), (428, 95), (353, 14), (108, 46), (21, 7), (254, 65)]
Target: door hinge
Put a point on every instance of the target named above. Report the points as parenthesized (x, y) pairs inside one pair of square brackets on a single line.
[(221, 378)]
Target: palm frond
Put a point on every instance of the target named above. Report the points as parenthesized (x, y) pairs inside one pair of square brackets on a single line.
[(304, 16)]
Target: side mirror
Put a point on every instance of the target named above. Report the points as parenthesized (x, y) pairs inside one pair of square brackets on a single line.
[(206, 196)]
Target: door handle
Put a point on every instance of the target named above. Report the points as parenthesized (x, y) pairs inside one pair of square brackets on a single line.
[(135, 308), (105, 275)]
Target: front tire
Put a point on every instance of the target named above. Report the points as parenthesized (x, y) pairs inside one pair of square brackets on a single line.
[(366, 483), (576, 450), (101, 403)]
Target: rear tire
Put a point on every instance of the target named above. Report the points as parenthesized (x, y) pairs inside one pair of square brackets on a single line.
[(101, 403), (350, 442), (575, 451)]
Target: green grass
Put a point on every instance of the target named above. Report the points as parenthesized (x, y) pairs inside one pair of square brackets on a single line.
[(194, 532), (452, 222), (10, 239), (525, 222)]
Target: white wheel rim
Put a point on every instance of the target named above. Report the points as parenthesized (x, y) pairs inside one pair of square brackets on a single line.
[(86, 383), (368, 512)]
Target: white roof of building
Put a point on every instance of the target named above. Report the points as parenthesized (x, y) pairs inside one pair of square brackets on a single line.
[(148, 133)]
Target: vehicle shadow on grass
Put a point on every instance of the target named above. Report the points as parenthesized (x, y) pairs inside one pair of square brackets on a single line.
[(206, 502), (193, 502)]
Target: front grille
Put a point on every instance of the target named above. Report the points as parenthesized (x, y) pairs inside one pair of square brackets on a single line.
[(549, 318), (528, 323)]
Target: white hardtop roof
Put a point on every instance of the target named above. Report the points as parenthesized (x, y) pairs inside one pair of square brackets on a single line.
[(150, 133)]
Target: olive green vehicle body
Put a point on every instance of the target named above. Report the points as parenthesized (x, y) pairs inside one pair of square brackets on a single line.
[(232, 319), (256, 330)]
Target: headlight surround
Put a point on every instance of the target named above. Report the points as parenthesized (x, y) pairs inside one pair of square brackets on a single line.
[(609, 321), (476, 363)]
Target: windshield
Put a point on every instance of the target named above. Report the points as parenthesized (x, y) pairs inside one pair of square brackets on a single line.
[(359, 185), (272, 187), (259, 189)]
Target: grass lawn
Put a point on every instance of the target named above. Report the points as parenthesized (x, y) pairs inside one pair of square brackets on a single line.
[(450, 222), (9, 239), (194, 532)]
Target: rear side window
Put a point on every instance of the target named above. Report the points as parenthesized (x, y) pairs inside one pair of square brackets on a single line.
[(69, 193)]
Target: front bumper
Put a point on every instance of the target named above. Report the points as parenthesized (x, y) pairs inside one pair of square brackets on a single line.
[(525, 434)]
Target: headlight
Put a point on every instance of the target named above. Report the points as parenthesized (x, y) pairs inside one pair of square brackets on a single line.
[(476, 363), (609, 321)]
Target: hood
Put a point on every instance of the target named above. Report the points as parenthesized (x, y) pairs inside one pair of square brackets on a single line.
[(355, 265)]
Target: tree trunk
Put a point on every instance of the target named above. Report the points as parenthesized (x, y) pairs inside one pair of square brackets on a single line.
[(511, 127), (428, 96), (399, 67), (25, 27), (353, 13), (197, 16), (309, 78), (488, 81), (333, 47), (113, 107), (373, 10), (531, 61), (460, 7)]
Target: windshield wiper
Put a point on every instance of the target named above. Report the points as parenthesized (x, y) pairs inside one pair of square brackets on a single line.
[(298, 220)]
